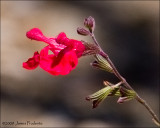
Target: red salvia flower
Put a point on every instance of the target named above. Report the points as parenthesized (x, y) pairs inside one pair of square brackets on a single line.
[(65, 53)]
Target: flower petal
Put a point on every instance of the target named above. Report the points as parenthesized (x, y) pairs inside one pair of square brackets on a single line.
[(58, 65), (36, 34), (62, 39), (76, 45), (66, 61), (32, 63)]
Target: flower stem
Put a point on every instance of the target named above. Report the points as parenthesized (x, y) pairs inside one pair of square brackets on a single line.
[(95, 41), (138, 98)]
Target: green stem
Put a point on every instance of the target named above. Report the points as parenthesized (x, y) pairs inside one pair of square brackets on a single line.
[(138, 98)]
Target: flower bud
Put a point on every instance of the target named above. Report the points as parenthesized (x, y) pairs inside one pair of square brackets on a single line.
[(82, 31), (90, 23)]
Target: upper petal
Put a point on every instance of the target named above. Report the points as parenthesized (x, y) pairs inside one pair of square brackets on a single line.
[(35, 34), (76, 45), (62, 39)]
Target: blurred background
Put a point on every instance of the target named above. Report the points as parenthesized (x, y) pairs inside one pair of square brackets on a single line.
[(127, 30)]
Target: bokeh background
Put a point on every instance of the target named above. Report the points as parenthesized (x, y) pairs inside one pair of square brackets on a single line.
[(127, 30)]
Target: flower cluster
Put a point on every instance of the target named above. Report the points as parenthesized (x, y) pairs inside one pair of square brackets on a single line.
[(64, 57)]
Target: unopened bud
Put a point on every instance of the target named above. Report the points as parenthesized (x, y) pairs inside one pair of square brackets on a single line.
[(90, 23), (82, 31)]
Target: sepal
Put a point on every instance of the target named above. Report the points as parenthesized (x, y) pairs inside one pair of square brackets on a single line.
[(102, 63), (102, 94), (90, 49), (99, 96), (126, 95)]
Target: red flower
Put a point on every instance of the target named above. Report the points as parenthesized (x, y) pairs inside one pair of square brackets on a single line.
[(65, 53)]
